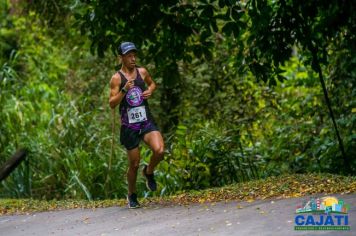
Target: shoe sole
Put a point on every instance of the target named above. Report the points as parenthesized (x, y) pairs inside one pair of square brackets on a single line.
[(130, 207)]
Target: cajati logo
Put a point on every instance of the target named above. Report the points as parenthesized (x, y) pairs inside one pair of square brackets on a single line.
[(327, 213)]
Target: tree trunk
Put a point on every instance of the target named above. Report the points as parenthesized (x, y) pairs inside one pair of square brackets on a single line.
[(12, 163), (316, 66)]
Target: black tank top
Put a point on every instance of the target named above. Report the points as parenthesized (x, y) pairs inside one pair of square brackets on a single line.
[(134, 110)]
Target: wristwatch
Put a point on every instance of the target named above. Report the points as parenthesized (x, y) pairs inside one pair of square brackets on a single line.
[(123, 90)]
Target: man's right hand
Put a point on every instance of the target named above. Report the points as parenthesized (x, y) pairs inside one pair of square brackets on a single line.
[(129, 84)]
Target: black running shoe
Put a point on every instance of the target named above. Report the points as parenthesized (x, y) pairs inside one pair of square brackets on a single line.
[(132, 199), (150, 179)]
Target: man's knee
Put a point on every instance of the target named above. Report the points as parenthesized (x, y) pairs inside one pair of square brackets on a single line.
[(159, 151)]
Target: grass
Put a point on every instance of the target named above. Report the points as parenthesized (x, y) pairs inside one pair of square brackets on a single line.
[(284, 186)]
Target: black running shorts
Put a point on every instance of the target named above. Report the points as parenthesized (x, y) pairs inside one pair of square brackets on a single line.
[(131, 138)]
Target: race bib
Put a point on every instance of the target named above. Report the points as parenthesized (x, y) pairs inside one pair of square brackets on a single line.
[(136, 114)]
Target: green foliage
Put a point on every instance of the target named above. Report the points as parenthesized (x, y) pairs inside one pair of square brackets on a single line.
[(277, 26), (44, 111), (206, 155), (237, 96)]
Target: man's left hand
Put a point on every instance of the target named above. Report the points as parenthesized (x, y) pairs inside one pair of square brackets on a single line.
[(146, 94)]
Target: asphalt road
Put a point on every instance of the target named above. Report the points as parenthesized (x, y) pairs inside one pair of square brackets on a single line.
[(268, 217)]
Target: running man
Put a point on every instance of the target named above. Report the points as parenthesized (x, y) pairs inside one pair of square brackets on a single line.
[(131, 87)]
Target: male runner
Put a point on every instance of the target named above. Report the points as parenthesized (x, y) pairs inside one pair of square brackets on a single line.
[(131, 87)]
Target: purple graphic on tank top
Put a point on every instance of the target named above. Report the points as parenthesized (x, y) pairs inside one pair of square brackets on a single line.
[(134, 96)]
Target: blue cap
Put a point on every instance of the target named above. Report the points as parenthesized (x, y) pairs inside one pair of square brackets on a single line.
[(126, 47)]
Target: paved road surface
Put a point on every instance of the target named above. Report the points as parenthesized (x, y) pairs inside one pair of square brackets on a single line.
[(268, 217)]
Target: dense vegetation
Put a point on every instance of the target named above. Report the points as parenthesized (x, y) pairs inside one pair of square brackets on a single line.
[(240, 92)]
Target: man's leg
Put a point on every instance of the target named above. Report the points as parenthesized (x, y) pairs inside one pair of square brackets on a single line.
[(134, 162), (155, 141)]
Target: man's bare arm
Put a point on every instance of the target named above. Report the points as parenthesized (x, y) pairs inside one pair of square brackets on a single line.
[(151, 85), (115, 95)]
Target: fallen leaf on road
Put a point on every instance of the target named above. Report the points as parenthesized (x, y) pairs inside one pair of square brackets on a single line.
[(276, 187)]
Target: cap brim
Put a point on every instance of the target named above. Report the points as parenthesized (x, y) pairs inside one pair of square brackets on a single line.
[(129, 50)]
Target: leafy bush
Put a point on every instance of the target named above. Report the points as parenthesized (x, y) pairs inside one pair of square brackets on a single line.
[(233, 127), (205, 155), (69, 150)]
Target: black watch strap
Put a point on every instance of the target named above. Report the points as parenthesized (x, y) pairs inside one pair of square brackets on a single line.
[(123, 90)]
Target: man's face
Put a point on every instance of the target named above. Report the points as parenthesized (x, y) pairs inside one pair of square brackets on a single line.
[(129, 59)]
